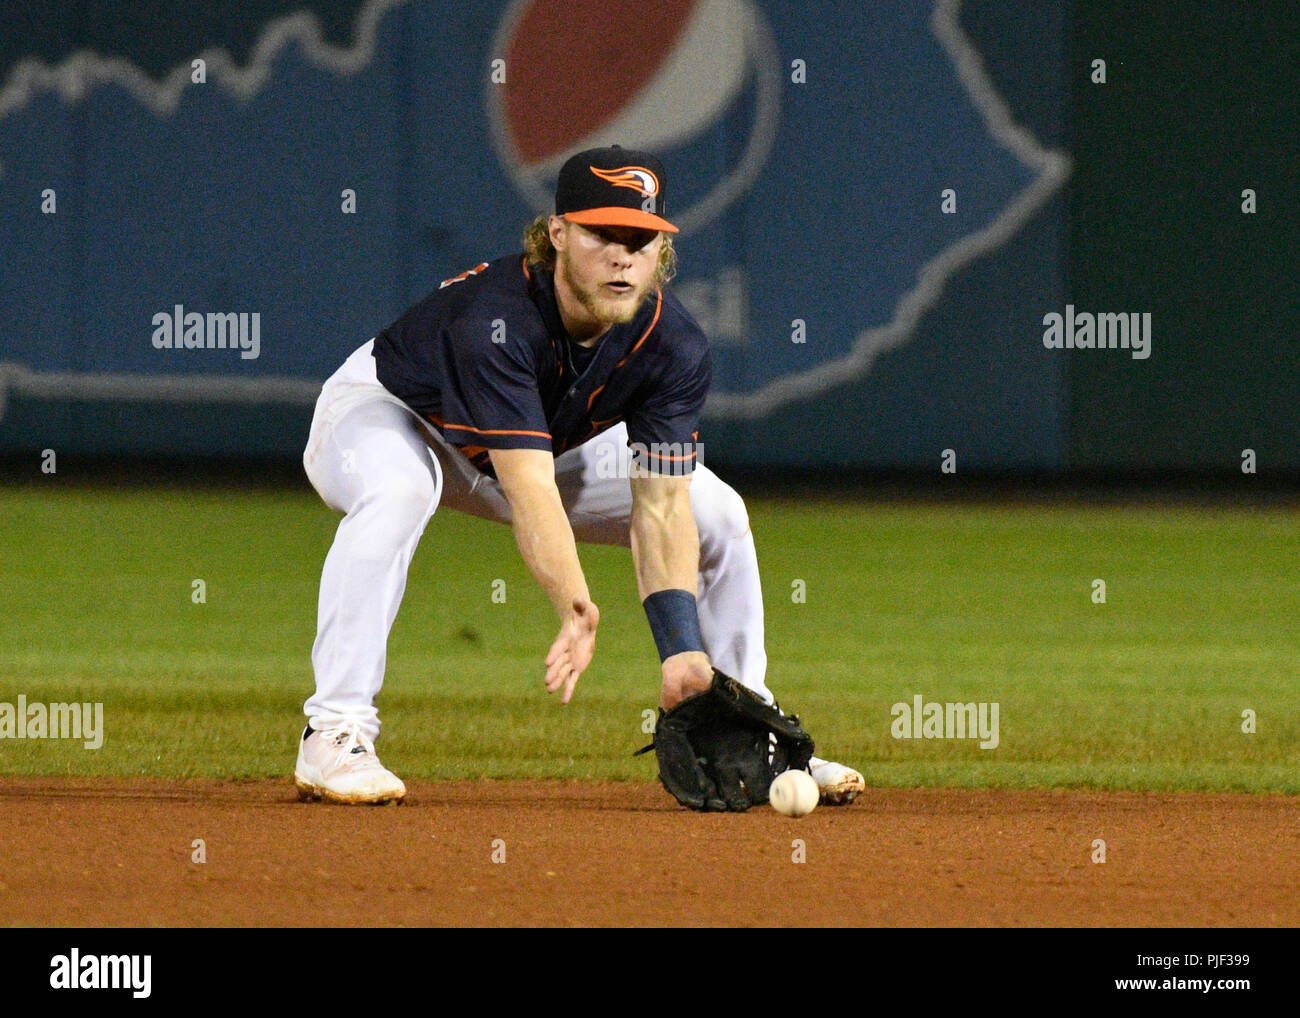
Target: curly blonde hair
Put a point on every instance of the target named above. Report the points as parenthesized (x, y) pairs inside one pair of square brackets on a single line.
[(540, 250)]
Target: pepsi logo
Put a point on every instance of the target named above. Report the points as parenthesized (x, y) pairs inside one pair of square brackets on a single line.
[(586, 74)]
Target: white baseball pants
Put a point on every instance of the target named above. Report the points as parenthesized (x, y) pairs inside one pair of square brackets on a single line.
[(373, 459)]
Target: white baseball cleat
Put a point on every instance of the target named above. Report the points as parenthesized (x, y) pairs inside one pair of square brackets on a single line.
[(839, 785), (339, 765)]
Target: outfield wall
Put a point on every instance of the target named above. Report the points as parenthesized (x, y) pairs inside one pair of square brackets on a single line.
[(879, 205)]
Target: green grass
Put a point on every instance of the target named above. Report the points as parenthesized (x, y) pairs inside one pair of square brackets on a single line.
[(953, 602)]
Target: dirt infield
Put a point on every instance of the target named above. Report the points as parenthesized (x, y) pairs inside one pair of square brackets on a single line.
[(83, 852)]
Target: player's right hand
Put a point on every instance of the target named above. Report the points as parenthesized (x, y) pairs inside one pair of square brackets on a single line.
[(573, 649)]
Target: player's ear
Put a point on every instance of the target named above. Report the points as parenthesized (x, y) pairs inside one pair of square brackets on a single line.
[(558, 228)]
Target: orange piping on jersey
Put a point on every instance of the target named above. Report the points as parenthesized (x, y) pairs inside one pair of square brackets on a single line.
[(659, 303), (498, 431), (527, 275), (660, 456)]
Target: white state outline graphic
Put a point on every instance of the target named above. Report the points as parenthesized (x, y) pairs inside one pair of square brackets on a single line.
[(1054, 170), (74, 78)]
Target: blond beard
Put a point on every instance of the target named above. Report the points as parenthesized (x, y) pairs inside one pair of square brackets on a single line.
[(602, 309)]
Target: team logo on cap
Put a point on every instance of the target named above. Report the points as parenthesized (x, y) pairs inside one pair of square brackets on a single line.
[(636, 178)]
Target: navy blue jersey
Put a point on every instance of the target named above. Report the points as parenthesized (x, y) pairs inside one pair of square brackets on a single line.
[(484, 357)]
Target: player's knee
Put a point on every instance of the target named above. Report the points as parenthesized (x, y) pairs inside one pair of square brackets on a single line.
[(720, 514), (401, 502)]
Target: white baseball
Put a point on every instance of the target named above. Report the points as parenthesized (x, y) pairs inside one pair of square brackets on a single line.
[(794, 793)]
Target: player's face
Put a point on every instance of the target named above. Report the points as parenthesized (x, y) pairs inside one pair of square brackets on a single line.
[(606, 271)]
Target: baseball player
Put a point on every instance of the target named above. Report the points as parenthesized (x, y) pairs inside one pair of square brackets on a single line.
[(559, 390)]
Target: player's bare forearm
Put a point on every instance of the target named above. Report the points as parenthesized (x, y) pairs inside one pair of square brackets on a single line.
[(546, 543), (666, 551), (541, 527), (665, 542)]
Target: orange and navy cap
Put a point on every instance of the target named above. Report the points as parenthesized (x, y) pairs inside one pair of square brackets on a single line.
[(613, 186)]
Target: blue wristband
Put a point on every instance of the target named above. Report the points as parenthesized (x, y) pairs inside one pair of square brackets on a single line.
[(674, 621)]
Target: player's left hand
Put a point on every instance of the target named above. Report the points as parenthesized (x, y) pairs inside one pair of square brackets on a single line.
[(721, 749), (684, 675), (573, 649)]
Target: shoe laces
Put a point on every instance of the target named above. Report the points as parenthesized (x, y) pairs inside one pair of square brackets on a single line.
[(351, 743)]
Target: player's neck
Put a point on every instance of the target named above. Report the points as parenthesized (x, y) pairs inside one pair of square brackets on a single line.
[(587, 338)]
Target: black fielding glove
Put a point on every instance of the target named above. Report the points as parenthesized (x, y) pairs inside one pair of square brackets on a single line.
[(719, 750)]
